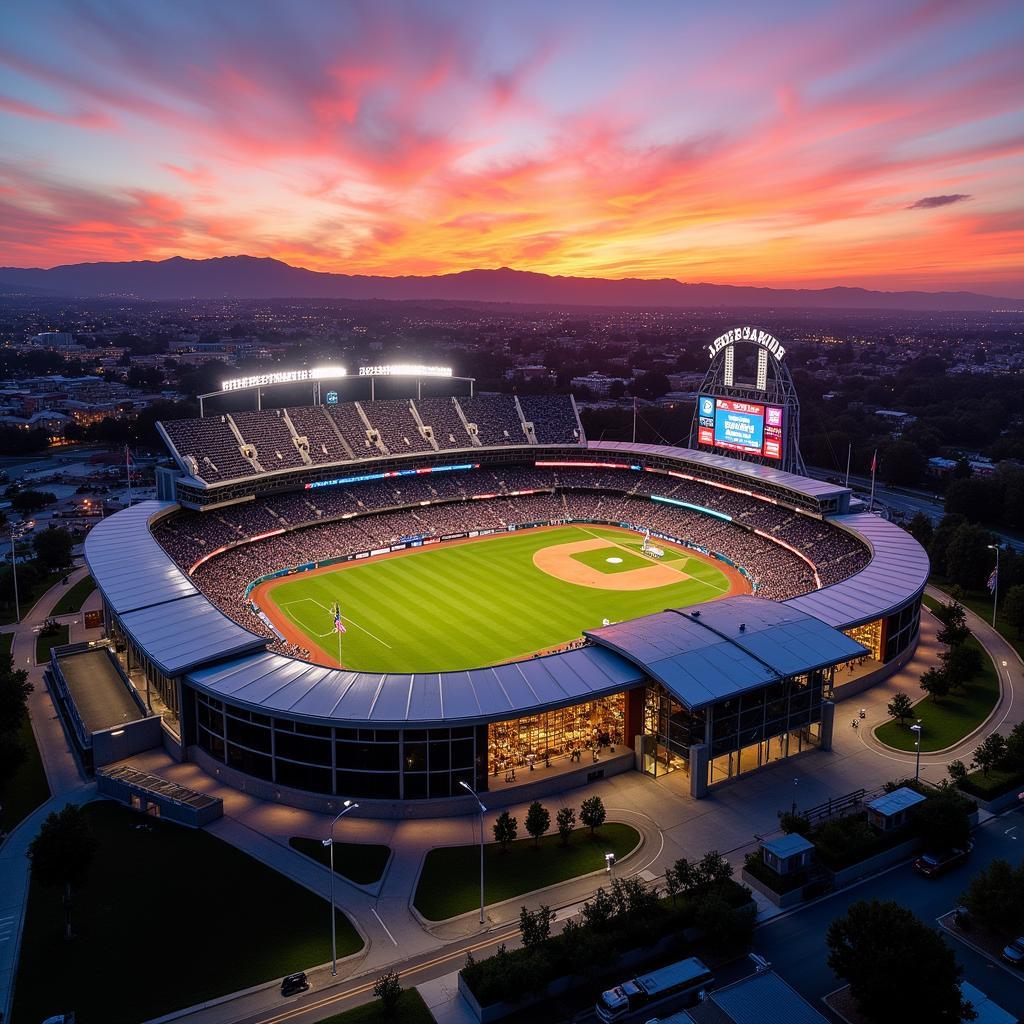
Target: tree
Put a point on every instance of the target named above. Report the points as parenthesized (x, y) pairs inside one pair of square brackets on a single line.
[(53, 547), (506, 828), (920, 528), (14, 691), (1013, 607), (672, 884), (871, 947), (957, 771), (954, 630), (565, 820), (943, 819), (538, 821), (901, 462), (935, 683), (798, 823), (62, 853), (592, 813), (961, 664), (989, 753), (1014, 757), (726, 930), (388, 989), (535, 926), (900, 707), (967, 556), (31, 501), (995, 897)]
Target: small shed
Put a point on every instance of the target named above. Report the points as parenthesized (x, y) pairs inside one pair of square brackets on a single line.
[(892, 810), (787, 854)]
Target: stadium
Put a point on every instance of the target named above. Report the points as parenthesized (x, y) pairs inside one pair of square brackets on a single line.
[(388, 598)]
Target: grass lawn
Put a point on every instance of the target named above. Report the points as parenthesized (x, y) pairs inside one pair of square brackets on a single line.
[(460, 606), (28, 788), (44, 643), (215, 919), (74, 597), (980, 602), (411, 1010), (363, 863), (952, 718), (449, 883), (27, 595)]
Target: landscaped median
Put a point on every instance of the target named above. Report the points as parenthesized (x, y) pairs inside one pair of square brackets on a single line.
[(963, 690), (449, 882), (362, 863), (73, 598), (225, 921)]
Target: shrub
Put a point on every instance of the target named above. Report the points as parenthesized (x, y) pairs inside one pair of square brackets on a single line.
[(538, 820), (592, 813), (565, 820), (506, 828), (388, 989)]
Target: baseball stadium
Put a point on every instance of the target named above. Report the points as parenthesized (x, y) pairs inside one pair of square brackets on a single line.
[(391, 599)]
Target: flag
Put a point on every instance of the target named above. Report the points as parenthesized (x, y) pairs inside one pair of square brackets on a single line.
[(874, 462), (993, 581), (339, 626)]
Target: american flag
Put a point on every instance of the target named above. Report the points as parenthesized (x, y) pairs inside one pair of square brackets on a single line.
[(874, 462), (339, 626), (993, 581)]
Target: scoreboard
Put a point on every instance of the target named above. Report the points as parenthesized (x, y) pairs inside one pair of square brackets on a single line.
[(751, 428)]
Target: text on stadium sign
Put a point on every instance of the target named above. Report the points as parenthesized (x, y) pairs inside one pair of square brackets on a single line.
[(752, 334), (405, 370)]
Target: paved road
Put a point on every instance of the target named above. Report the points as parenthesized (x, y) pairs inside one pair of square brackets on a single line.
[(795, 943)]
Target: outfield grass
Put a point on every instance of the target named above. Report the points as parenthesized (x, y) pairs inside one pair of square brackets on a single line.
[(950, 719), (449, 883), (44, 643), (362, 863), (411, 1010), (167, 918), (461, 606), (74, 597)]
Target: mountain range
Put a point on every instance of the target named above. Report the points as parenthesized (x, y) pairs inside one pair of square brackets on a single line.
[(249, 277)]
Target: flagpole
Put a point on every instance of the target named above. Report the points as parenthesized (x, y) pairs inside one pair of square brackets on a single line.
[(128, 473), (849, 452), (874, 467)]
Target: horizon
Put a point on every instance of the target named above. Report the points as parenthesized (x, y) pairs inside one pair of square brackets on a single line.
[(784, 147)]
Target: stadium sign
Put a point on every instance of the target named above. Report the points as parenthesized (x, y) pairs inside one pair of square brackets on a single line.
[(260, 380), (752, 334), (405, 370)]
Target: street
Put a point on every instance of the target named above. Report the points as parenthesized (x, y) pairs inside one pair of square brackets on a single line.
[(795, 943)]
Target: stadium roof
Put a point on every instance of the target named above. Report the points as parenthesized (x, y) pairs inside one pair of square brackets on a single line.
[(755, 472), (276, 683), (127, 563), (183, 634), (897, 572), (709, 652)]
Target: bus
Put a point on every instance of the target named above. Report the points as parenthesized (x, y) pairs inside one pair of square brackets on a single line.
[(685, 978)]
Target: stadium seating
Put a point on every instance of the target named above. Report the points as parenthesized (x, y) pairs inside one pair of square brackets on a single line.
[(351, 427), (443, 417), (553, 418), (496, 418), (394, 421), (313, 423), (268, 433), (212, 443)]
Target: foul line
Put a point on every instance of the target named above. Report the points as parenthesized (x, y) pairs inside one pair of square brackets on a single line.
[(345, 618)]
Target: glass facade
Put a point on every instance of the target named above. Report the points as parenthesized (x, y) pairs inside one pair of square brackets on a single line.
[(381, 764), (900, 629), (870, 635), (553, 734), (669, 732), (765, 725)]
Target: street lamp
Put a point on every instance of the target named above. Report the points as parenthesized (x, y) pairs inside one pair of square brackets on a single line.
[(609, 862), (329, 843), (483, 810), (995, 583), (916, 728), (18, 530)]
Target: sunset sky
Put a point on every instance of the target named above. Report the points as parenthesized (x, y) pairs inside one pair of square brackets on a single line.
[(791, 144)]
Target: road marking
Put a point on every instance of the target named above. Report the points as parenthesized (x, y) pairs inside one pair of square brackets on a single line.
[(373, 910)]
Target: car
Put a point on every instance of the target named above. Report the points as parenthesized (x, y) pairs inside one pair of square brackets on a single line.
[(938, 862), (1013, 952), (294, 984)]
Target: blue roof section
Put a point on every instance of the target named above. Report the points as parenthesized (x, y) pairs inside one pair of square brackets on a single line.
[(127, 563), (898, 800), (753, 471), (708, 652), (274, 683), (765, 999), (788, 845), (183, 634), (897, 573)]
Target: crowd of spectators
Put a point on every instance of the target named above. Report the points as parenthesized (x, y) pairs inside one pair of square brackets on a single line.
[(333, 522), (244, 444)]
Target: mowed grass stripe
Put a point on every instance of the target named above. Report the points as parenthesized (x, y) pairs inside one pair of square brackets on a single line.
[(454, 607)]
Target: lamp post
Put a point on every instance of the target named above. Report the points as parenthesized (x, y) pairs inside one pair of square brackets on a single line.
[(18, 530), (329, 843), (483, 810), (995, 585), (916, 728), (609, 863)]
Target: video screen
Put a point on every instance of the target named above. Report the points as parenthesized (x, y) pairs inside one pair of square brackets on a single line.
[(748, 427)]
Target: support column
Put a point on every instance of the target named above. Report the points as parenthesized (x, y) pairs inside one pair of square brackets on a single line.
[(633, 721), (699, 753), (828, 717)]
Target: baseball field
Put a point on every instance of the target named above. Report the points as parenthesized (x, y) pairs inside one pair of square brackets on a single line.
[(478, 602)]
